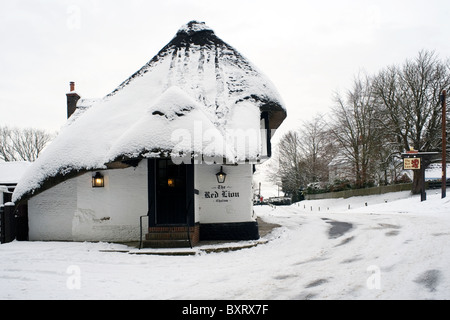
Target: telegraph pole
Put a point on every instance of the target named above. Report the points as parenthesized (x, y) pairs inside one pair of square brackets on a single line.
[(444, 144)]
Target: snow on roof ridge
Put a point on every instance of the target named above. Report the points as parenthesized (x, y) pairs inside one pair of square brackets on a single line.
[(85, 103), (192, 27)]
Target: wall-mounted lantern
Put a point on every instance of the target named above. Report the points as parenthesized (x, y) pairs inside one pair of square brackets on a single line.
[(221, 176), (170, 183), (98, 181)]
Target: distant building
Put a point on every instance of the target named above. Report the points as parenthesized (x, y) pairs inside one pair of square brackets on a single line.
[(10, 174), (434, 172), (340, 168)]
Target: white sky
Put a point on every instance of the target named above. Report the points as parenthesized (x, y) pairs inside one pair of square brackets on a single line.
[(309, 49)]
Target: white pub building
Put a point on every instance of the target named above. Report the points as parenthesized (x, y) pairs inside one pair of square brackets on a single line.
[(171, 150)]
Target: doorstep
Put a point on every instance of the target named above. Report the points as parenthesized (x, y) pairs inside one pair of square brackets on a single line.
[(202, 246), (209, 247)]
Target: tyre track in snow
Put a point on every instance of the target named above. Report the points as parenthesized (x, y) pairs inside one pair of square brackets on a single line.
[(402, 249)]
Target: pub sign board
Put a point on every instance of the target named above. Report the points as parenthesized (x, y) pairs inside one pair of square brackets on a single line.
[(411, 163)]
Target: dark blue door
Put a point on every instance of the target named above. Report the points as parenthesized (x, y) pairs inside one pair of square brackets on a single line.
[(170, 193)]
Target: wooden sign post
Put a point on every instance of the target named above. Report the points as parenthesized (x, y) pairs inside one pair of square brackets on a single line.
[(444, 144), (415, 160)]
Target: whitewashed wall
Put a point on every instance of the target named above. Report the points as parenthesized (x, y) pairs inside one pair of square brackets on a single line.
[(73, 210), (111, 213), (227, 202), (50, 213)]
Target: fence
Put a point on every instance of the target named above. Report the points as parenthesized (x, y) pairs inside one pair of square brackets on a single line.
[(437, 184), (2, 224), (8, 222), (360, 192)]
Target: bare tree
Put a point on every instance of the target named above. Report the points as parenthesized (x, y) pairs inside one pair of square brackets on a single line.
[(409, 100), (303, 156), (376, 120), (6, 147), (317, 149), (290, 162), (355, 129), (22, 144)]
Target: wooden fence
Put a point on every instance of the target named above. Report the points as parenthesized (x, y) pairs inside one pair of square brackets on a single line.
[(360, 192)]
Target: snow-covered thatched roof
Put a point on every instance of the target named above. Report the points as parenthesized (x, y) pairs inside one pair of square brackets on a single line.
[(196, 86)]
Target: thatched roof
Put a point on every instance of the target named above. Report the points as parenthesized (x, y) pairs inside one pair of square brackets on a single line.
[(195, 81)]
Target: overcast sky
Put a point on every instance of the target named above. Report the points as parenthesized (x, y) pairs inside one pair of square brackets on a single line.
[(309, 49)]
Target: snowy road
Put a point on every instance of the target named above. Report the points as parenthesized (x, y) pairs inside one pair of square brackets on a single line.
[(395, 250), (380, 257)]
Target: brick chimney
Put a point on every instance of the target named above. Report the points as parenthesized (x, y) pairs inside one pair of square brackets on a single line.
[(72, 99)]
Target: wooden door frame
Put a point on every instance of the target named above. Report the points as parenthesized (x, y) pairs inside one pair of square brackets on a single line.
[(190, 205)]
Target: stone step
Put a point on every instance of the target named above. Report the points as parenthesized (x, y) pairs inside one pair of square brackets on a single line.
[(171, 237), (170, 229), (167, 235), (173, 243)]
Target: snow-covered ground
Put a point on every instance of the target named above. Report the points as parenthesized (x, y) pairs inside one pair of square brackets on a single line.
[(396, 247)]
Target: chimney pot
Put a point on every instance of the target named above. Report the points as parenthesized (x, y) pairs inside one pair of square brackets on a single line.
[(72, 99)]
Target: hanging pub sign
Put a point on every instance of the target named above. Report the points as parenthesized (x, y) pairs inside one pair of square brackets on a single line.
[(411, 163)]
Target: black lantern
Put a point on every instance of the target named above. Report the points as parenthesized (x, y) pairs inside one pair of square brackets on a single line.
[(221, 176), (98, 181)]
